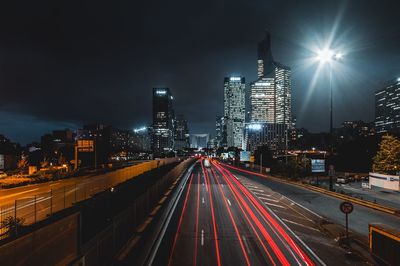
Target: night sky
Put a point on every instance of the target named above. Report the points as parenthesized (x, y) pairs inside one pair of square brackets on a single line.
[(66, 63)]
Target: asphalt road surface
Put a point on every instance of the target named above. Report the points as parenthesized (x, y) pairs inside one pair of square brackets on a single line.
[(220, 222), (322, 204)]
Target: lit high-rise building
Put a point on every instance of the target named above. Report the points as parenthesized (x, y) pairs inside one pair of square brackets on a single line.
[(163, 121), (271, 93), (234, 108), (387, 107), (262, 101), (222, 126), (181, 133)]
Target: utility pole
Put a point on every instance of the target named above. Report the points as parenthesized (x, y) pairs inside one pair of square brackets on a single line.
[(76, 157)]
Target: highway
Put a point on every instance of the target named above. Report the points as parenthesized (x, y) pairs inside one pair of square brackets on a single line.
[(321, 204), (36, 202), (220, 222)]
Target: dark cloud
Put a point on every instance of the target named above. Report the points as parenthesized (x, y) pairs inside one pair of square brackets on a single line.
[(84, 61)]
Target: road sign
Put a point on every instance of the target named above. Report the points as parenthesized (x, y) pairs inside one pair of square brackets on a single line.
[(317, 165), (346, 207)]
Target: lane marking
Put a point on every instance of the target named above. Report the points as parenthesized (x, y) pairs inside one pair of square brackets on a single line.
[(258, 190), (245, 244), (202, 200), (275, 205), (202, 237), (302, 225), (262, 194), (269, 199), (229, 202)]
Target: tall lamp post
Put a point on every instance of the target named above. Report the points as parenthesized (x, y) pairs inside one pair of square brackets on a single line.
[(327, 56)]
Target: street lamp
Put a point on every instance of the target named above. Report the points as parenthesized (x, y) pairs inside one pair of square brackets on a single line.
[(327, 56)]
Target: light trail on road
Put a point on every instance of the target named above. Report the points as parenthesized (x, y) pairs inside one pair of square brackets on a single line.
[(230, 225)]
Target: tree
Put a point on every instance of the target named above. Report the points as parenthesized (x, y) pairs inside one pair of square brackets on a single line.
[(387, 159), (12, 224)]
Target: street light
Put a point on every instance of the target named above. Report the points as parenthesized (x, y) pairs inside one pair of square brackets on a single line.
[(327, 56)]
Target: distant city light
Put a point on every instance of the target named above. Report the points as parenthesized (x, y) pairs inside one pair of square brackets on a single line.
[(262, 84), (235, 79), (255, 126), (141, 129)]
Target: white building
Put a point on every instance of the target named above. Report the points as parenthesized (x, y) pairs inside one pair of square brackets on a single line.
[(235, 109)]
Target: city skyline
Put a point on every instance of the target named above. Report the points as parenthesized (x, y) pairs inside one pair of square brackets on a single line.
[(85, 74)]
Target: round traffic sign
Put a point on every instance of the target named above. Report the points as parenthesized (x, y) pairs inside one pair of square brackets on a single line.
[(346, 207)]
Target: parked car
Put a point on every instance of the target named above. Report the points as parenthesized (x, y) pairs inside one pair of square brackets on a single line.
[(342, 180)]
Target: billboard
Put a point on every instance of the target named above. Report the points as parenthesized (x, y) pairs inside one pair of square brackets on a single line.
[(245, 156), (317, 165), (1, 162)]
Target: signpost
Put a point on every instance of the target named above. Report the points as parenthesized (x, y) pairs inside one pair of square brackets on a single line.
[(347, 207)]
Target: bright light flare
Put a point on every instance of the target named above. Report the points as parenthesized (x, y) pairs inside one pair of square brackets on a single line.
[(338, 56), (325, 55)]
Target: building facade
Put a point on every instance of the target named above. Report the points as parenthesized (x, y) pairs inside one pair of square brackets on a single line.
[(140, 139), (271, 134), (271, 93), (270, 101), (235, 108), (223, 125), (163, 121), (181, 133), (199, 141), (387, 107)]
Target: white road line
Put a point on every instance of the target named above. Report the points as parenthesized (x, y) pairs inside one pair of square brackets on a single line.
[(269, 199), (202, 200), (245, 243), (202, 237), (319, 216), (248, 185), (229, 202), (258, 190), (262, 194), (302, 225), (270, 204)]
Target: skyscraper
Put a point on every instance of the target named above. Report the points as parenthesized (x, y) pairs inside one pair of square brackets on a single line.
[(222, 126), (270, 100), (163, 121), (234, 108), (271, 93), (387, 107), (181, 133)]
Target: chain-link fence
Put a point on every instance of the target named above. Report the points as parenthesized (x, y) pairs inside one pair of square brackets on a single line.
[(31, 209)]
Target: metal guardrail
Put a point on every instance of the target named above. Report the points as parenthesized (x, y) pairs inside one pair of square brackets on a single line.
[(41, 206)]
